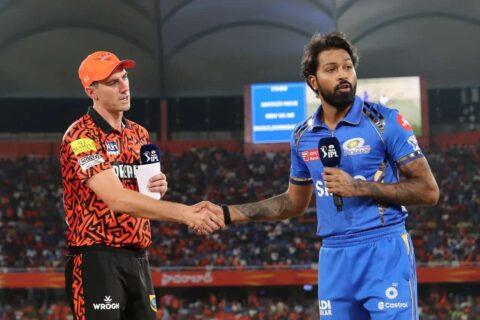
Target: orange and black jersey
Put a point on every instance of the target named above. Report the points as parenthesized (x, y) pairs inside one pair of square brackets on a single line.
[(90, 146)]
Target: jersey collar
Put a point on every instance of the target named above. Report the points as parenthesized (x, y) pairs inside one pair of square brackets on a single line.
[(102, 123), (353, 116)]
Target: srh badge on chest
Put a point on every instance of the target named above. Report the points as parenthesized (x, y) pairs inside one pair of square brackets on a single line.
[(112, 148)]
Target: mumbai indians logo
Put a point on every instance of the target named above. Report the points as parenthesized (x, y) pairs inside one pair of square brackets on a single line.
[(355, 147)]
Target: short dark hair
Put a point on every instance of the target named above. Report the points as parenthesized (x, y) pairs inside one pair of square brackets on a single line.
[(319, 43)]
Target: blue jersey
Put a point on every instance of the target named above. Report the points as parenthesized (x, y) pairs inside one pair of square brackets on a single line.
[(375, 141)]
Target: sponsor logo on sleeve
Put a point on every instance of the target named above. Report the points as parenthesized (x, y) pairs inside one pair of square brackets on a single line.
[(355, 146), (310, 155), (83, 145), (90, 161), (412, 140), (403, 123)]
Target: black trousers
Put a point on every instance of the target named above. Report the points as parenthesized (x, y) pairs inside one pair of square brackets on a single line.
[(108, 283)]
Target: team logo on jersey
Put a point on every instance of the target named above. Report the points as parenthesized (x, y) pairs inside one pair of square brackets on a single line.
[(403, 123), (413, 142), (310, 155), (82, 145), (153, 302), (355, 146), (112, 148)]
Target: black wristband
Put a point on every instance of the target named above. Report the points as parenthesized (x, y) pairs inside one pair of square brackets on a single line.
[(226, 214)]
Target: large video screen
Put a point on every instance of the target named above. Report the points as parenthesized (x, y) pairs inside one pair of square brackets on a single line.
[(275, 108)]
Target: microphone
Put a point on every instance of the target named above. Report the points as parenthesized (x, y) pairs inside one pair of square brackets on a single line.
[(330, 155), (149, 166)]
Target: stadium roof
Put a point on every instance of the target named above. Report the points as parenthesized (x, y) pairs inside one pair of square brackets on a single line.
[(214, 47)]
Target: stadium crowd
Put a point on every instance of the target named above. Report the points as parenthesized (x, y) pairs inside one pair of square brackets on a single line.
[(31, 212), (31, 218)]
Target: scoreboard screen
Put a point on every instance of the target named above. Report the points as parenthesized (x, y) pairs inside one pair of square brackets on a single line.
[(276, 109)]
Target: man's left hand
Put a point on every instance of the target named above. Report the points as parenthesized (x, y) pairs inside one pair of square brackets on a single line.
[(158, 183)]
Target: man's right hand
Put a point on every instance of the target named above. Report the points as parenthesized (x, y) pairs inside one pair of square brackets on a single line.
[(205, 218)]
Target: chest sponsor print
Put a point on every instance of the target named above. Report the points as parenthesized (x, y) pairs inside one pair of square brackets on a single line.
[(112, 148)]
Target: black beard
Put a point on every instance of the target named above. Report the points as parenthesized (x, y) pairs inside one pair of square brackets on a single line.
[(340, 100)]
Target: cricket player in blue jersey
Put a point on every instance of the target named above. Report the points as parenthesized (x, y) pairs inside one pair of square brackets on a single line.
[(366, 263)]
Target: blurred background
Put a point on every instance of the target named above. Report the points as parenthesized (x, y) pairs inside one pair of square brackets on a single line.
[(198, 66)]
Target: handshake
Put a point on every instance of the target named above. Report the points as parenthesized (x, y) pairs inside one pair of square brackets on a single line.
[(206, 217)]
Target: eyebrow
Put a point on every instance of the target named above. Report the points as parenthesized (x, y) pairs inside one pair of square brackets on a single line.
[(334, 63)]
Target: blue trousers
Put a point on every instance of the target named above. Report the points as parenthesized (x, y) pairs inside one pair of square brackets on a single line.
[(368, 275)]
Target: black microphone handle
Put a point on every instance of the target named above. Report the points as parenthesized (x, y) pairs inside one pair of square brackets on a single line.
[(338, 201)]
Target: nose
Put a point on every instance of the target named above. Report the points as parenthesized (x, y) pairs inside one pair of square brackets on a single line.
[(342, 74), (123, 85)]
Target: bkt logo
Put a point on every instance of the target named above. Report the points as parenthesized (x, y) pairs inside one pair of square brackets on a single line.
[(151, 156), (325, 307), (330, 152), (108, 305)]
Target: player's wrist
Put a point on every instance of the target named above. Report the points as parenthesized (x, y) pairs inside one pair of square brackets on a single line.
[(362, 188), (227, 218)]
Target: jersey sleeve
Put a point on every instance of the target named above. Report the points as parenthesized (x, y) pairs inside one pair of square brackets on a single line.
[(299, 173), (83, 156), (401, 143)]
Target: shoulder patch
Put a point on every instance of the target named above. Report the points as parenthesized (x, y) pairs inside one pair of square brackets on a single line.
[(301, 128), (83, 145)]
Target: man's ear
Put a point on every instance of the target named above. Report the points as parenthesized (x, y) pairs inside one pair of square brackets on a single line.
[(90, 91)]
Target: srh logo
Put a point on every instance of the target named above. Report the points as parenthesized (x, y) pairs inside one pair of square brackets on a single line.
[(105, 57), (108, 305), (325, 307)]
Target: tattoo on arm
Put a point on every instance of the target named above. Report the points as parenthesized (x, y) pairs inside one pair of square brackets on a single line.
[(416, 189), (275, 208)]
